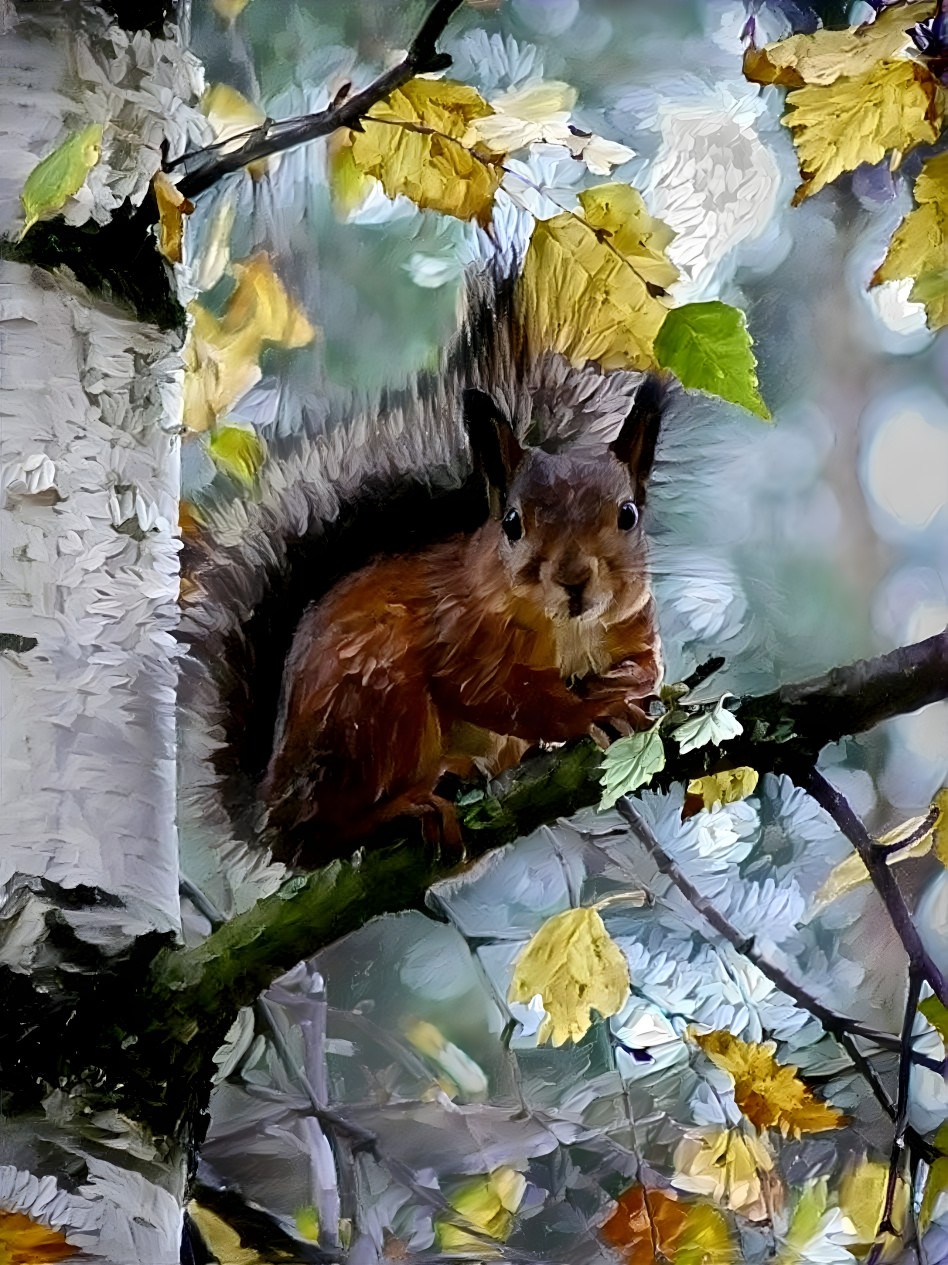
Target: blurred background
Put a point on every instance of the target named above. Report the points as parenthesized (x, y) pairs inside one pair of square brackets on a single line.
[(787, 548)]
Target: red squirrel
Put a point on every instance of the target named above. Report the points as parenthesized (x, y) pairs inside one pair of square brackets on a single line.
[(538, 626), (477, 615)]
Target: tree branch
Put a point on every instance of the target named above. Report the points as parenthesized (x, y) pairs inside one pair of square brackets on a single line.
[(834, 1023), (882, 877), (194, 993), (205, 167)]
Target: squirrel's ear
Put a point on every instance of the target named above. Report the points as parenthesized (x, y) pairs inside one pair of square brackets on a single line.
[(635, 443), (494, 445)]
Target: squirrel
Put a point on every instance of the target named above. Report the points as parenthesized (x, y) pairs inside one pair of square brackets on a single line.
[(356, 635)]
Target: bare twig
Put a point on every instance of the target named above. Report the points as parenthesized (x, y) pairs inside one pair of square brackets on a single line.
[(925, 827), (886, 1224), (837, 1025), (205, 167), (882, 877)]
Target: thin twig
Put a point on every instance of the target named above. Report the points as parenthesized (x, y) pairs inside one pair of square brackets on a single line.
[(886, 1224), (206, 166), (882, 877), (833, 1023), (925, 827)]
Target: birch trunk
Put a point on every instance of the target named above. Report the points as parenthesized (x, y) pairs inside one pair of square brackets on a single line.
[(91, 414)]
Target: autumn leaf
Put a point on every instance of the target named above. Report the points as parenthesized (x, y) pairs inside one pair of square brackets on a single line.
[(861, 1199), (919, 246), (349, 185), (238, 451), (415, 143), (222, 353), (576, 968), (629, 763), (60, 174), (222, 1239), (729, 1166), (489, 1204), (229, 10), (851, 872), (24, 1241), (648, 1222), (594, 282), (768, 1093), (937, 1180), (537, 111), (825, 56), (725, 788), (172, 208), (715, 726), (936, 1012), (892, 107), (707, 347)]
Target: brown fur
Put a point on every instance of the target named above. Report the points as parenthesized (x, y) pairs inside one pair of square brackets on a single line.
[(460, 656)]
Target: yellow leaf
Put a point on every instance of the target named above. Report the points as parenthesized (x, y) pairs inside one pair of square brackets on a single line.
[(845, 877), (222, 353), (851, 873), (728, 1166), (537, 111), (861, 1196), (919, 246), (489, 1204), (24, 1241), (223, 1241), (769, 1093), (238, 451), (937, 1180), (825, 56), (348, 183), (229, 10), (649, 1222), (60, 174), (172, 208), (414, 143), (726, 787), (594, 282), (893, 106), (576, 967)]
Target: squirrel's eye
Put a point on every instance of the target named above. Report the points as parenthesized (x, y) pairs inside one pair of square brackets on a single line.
[(513, 527), (628, 515)]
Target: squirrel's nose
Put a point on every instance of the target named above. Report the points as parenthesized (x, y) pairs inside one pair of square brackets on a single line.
[(575, 594)]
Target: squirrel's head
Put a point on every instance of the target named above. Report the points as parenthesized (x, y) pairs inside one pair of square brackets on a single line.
[(568, 525)]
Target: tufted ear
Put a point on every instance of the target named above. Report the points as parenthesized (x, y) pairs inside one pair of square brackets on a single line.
[(497, 453), (635, 443)]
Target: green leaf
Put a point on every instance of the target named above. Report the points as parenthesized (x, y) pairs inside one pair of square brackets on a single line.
[(236, 451), (60, 174), (630, 763), (706, 345)]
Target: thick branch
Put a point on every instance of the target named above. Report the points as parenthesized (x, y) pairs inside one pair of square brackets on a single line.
[(205, 167), (206, 984)]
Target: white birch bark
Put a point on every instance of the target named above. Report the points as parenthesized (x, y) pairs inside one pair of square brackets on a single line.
[(90, 400)]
